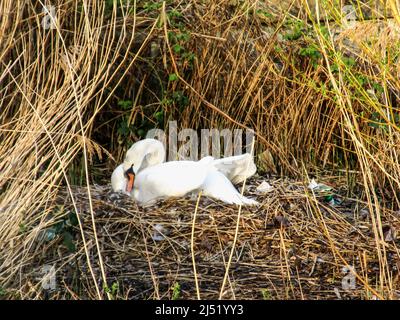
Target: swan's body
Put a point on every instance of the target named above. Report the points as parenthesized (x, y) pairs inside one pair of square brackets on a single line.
[(170, 179), (155, 179)]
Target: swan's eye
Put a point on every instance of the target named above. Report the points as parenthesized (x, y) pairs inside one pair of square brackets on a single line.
[(129, 172)]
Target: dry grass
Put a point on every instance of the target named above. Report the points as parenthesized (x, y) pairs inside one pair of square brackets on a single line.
[(320, 97)]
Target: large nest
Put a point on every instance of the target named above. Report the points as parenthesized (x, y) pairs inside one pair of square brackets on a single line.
[(295, 245)]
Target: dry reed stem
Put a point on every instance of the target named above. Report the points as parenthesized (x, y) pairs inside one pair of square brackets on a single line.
[(192, 247)]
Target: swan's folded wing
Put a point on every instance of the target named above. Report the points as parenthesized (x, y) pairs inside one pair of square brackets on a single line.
[(218, 186), (236, 168), (174, 179)]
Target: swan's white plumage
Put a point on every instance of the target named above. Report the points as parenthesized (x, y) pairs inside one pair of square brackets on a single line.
[(118, 180), (143, 154), (218, 186), (236, 168), (156, 179), (170, 179)]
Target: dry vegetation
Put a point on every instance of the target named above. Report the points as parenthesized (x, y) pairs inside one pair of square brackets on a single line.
[(321, 95)]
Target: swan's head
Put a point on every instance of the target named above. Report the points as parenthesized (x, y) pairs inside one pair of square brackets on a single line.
[(142, 154), (119, 180), (130, 175), (131, 166)]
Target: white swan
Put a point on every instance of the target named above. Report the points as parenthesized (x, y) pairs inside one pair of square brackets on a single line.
[(170, 179), (145, 176)]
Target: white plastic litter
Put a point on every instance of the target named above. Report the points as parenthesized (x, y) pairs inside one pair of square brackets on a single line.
[(318, 187), (313, 184), (264, 187)]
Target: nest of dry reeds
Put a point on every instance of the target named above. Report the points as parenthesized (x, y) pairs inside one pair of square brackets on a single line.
[(321, 96), (295, 245)]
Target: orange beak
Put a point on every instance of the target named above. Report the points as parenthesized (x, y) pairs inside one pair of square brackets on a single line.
[(131, 180)]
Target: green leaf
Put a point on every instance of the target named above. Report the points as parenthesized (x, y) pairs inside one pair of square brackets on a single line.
[(177, 48), (114, 288), (348, 61), (22, 228), (377, 87), (184, 36), (266, 294), (180, 99), (325, 32), (152, 6), (173, 77), (166, 102), (125, 104), (295, 32), (159, 116), (176, 291), (264, 13), (188, 56), (361, 79), (334, 67), (172, 36), (278, 48), (310, 51), (123, 128), (174, 13)]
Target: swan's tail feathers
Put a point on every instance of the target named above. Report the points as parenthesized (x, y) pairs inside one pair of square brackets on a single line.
[(237, 168)]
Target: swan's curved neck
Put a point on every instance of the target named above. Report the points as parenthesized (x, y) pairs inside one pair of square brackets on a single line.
[(144, 154), (154, 155)]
